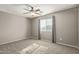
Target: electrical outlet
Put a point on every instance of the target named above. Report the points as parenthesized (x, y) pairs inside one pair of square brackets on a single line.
[(60, 38)]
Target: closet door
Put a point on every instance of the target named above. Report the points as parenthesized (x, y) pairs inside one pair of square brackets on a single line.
[(46, 29)]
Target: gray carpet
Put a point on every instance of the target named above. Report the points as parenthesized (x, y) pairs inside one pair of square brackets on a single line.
[(32, 46)]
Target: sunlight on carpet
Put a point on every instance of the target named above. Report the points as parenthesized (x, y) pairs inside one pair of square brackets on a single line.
[(34, 49)]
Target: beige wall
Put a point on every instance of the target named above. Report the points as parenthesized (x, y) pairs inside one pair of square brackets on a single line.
[(13, 28), (66, 26), (78, 26), (35, 28)]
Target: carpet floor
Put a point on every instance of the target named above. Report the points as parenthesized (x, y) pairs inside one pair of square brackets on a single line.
[(32, 46)]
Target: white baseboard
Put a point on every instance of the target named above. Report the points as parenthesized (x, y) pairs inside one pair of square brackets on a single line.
[(68, 45), (35, 37), (18, 39)]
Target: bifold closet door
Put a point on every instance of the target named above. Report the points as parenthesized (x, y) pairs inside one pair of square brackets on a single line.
[(46, 29)]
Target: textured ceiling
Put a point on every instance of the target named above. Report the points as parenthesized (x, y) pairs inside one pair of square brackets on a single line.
[(18, 9)]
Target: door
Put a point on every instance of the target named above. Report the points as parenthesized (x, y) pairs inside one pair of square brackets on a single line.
[(46, 29)]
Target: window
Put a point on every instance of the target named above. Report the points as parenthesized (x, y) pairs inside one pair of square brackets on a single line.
[(43, 25), (49, 24), (46, 24)]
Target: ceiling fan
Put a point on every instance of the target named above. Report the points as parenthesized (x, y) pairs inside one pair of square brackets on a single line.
[(31, 9)]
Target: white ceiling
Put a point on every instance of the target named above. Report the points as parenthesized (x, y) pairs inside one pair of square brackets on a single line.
[(18, 9)]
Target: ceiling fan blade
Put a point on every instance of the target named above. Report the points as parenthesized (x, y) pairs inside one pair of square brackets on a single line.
[(26, 12), (37, 9), (32, 8), (26, 9), (38, 13)]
